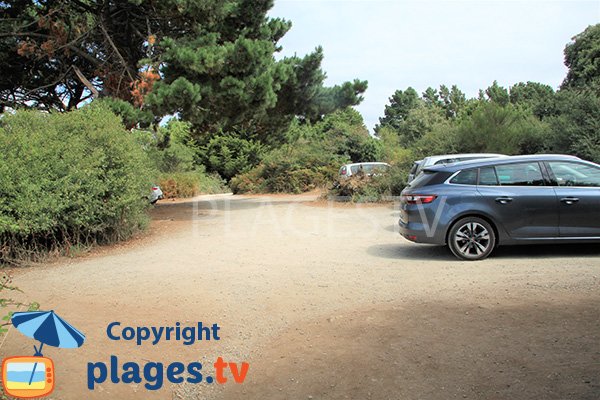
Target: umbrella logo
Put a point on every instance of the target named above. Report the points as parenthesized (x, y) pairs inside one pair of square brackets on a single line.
[(28, 377)]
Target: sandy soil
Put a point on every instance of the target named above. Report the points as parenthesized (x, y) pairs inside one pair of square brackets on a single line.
[(326, 302)]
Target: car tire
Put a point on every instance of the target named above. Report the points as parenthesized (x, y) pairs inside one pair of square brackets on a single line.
[(472, 239), (153, 202)]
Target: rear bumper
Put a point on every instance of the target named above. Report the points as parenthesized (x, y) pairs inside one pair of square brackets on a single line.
[(416, 233)]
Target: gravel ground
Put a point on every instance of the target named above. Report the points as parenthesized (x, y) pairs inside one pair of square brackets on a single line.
[(326, 301)]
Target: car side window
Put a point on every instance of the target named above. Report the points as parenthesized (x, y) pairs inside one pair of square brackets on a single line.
[(354, 169), (487, 176), (466, 177), (575, 174), (520, 174)]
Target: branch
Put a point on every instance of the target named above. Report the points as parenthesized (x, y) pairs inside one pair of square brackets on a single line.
[(50, 84), (86, 82), (112, 44), (84, 6), (75, 49)]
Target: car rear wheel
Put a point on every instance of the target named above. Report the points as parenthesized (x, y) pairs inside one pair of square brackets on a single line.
[(472, 239)]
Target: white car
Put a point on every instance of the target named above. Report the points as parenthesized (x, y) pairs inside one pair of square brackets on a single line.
[(446, 159), (155, 195), (368, 168)]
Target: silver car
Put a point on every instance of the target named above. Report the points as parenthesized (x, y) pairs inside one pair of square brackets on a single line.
[(367, 168), (420, 165)]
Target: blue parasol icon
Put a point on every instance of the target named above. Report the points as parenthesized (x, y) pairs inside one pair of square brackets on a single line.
[(48, 328)]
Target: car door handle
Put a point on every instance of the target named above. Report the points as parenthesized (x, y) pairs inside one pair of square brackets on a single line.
[(504, 200), (569, 200)]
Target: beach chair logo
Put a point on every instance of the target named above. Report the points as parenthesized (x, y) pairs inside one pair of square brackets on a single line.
[(30, 377)]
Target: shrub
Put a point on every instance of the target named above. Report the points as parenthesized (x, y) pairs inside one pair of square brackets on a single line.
[(362, 188), (189, 184), (68, 179), (292, 168), (230, 155), (577, 129)]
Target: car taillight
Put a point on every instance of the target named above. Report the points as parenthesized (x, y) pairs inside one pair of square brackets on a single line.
[(155, 188), (343, 171), (419, 198)]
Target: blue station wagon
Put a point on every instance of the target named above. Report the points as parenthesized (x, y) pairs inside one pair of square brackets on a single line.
[(474, 206)]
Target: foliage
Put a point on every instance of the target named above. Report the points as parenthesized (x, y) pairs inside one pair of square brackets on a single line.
[(190, 184), (209, 62), (361, 188), (452, 100), (230, 155), (500, 129), (537, 97), (58, 54), (176, 161), (576, 130), (293, 168), (344, 134), (6, 285), (582, 58), (401, 103), (68, 179), (313, 155), (497, 94)]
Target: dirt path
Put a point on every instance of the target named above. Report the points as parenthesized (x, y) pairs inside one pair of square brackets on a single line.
[(327, 302)]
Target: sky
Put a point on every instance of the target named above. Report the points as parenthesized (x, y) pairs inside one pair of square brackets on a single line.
[(397, 44)]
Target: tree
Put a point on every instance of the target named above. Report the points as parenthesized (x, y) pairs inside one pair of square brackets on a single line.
[(401, 103), (576, 129), (538, 97), (212, 62), (56, 54), (582, 57), (431, 97), (453, 100), (493, 128), (497, 94)]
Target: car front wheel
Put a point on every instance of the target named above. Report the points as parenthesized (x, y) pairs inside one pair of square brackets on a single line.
[(472, 239)]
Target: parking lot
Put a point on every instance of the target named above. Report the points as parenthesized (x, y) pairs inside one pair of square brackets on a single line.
[(327, 301)]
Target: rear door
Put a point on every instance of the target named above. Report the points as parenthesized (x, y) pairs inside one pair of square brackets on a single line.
[(577, 186), (519, 199)]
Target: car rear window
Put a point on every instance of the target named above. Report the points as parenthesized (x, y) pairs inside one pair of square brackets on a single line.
[(354, 169), (520, 174), (487, 176), (428, 178), (466, 177)]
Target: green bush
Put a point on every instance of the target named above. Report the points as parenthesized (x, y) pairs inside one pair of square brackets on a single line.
[(291, 168), (67, 180), (176, 157), (576, 130), (231, 155), (362, 188), (190, 184)]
